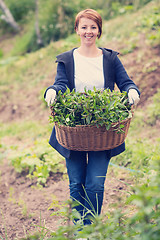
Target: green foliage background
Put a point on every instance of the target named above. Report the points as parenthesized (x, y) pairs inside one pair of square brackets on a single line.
[(56, 18)]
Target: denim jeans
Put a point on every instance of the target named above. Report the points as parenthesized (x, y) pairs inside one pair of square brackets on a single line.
[(87, 173)]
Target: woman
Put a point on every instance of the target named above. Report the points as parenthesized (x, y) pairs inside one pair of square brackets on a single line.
[(89, 66)]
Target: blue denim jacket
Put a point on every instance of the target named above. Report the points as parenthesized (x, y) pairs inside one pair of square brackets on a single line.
[(114, 73)]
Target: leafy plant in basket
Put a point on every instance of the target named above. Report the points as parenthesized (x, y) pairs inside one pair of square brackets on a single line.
[(98, 107)]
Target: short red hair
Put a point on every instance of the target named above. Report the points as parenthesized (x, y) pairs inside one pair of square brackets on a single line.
[(90, 14)]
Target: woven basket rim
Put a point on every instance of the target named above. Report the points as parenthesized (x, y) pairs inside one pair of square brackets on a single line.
[(114, 124)]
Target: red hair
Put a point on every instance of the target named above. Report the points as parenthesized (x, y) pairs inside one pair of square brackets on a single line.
[(90, 14)]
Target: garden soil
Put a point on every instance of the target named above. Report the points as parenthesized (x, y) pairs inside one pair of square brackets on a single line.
[(23, 206)]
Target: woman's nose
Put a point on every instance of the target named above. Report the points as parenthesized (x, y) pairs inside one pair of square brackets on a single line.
[(89, 30)]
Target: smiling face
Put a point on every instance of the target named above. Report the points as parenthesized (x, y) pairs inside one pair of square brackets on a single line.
[(87, 30)]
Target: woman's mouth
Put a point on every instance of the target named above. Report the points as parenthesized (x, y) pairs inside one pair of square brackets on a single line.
[(88, 37)]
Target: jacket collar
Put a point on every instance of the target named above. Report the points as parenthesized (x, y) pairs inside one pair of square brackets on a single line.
[(67, 58)]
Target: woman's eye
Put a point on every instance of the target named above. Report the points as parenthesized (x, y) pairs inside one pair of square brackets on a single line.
[(91, 27)]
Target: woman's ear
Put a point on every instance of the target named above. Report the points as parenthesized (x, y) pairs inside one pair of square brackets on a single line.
[(77, 31)]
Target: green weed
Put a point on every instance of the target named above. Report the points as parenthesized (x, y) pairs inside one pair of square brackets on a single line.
[(41, 231), (11, 195), (5, 228), (37, 161), (35, 236), (23, 206)]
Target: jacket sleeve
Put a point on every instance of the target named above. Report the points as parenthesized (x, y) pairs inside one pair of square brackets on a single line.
[(122, 79), (61, 81)]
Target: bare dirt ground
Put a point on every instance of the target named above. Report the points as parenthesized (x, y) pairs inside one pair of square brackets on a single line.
[(22, 204), (24, 207)]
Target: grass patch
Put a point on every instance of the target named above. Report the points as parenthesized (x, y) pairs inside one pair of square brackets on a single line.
[(142, 142), (24, 129), (154, 109), (130, 26)]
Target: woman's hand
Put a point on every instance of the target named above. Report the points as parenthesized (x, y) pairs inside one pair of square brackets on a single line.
[(50, 96), (133, 96)]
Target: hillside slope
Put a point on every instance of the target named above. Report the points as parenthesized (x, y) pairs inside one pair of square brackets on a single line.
[(23, 79)]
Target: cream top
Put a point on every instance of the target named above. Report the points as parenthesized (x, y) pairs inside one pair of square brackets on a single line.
[(88, 72)]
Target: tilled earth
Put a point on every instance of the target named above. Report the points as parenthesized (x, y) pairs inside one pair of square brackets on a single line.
[(24, 207)]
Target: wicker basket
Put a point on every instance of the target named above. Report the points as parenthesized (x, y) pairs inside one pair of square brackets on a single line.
[(91, 138)]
